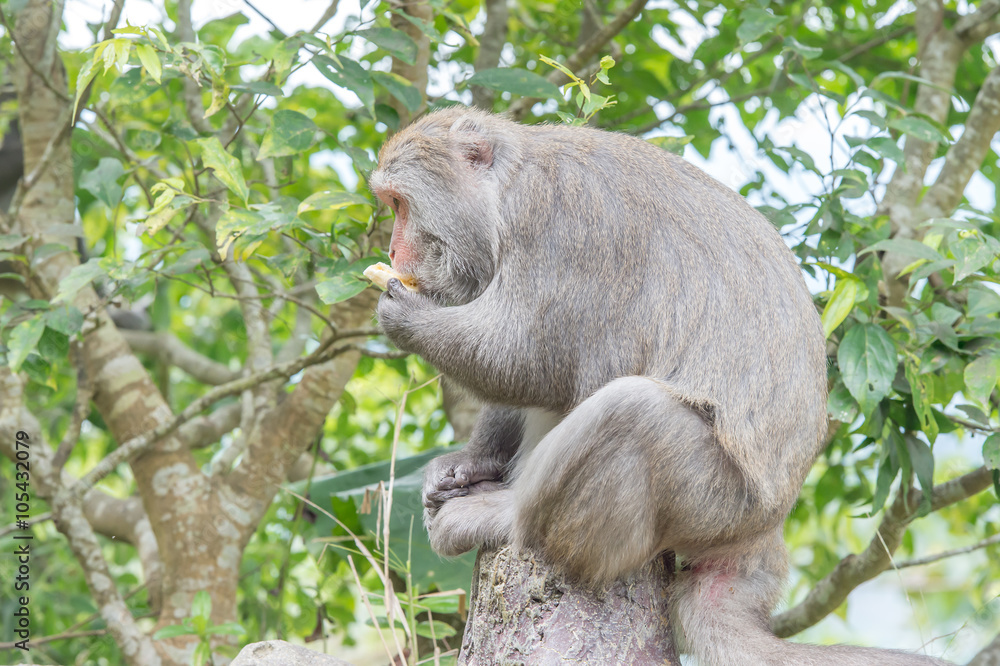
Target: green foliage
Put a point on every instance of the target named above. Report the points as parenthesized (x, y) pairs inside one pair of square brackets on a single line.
[(199, 624), (908, 380)]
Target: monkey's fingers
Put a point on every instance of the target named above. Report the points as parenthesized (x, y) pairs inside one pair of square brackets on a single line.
[(380, 274), (470, 474), (436, 498), (396, 288), (448, 482)]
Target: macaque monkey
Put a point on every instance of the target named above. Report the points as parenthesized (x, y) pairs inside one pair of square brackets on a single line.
[(652, 365)]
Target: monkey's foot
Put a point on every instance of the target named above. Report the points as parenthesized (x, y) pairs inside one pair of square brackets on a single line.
[(459, 475), (466, 523)]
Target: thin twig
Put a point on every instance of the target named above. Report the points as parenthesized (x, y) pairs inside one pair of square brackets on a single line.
[(137, 445), (84, 392), (917, 561), (40, 518)]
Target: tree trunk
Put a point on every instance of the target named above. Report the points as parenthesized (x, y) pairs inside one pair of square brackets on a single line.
[(521, 611)]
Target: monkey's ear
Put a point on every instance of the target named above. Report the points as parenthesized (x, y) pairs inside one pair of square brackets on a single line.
[(478, 153)]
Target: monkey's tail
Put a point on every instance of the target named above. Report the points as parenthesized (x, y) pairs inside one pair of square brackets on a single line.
[(723, 608)]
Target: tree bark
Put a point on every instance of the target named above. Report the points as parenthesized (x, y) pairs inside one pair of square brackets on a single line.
[(522, 611)]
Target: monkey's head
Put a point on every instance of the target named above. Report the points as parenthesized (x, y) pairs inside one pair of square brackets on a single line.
[(442, 177)]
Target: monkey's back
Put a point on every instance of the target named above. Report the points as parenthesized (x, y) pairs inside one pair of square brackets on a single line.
[(664, 272)]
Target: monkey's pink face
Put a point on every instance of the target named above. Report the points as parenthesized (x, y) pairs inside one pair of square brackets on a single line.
[(401, 253)]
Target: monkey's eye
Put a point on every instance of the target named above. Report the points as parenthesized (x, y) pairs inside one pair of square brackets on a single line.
[(395, 203)]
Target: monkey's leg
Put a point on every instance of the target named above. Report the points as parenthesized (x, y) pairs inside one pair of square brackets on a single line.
[(492, 444), (483, 517), (628, 473)]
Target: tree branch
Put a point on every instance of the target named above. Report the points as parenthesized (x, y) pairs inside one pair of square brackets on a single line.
[(978, 25), (202, 431), (192, 90), (519, 109), (989, 655), (940, 52), (966, 155), (81, 408), (168, 348), (254, 315), (137, 445), (854, 570), (490, 47), (943, 555), (71, 520), (417, 72), (328, 14)]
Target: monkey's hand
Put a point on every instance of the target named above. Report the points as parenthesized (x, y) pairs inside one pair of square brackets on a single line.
[(398, 314), (457, 475)]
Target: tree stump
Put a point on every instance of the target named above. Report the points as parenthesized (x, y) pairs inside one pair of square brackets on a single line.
[(521, 611)]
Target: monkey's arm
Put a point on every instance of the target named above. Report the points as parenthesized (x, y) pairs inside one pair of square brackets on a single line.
[(484, 346), (494, 441)]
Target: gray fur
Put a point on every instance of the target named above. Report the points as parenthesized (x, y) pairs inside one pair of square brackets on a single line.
[(653, 364)]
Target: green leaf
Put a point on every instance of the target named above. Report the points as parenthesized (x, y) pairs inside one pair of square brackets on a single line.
[(226, 167), (887, 472), (258, 88), (887, 148), (362, 160), (919, 129), (975, 414), (347, 73), (441, 630), (67, 320), (77, 279), (991, 451), (102, 181), (202, 654), (396, 42), (53, 345), (332, 200), (756, 23), (173, 631), (516, 81), (671, 144), (23, 340), (829, 486), (440, 604), (290, 133), (906, 246), (229, 628), (807, 52), (883, 76), (980, 379), (982, 301), (234, 223), (11, 241), (83, 78), (427, 568), (840, 305), (923, 464), (867, 360), (875, 118), (201, 605), (840, 405), (401, 89), (340, 288), (150, 61), (972, 252), (921, 400)]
